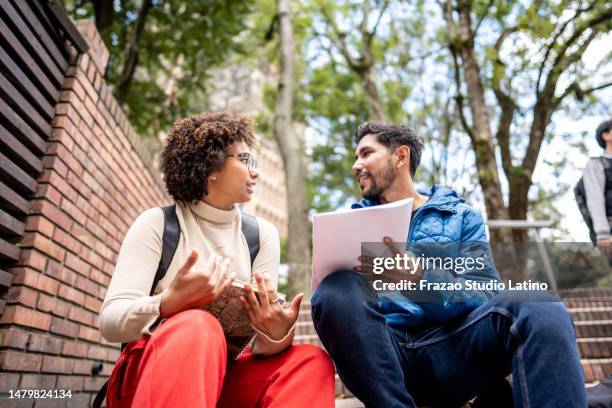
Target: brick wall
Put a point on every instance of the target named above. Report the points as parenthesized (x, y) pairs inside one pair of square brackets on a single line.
[(98, 176)]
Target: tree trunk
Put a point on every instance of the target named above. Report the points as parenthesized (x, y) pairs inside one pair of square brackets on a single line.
[(292, 151), (482, 140), (372, 96), (133, 46), (506, 255)]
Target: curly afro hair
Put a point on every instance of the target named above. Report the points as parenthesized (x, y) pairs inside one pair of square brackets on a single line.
[(196, 147)]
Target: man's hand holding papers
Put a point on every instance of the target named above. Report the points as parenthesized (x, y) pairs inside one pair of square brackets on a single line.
[(404, 268)]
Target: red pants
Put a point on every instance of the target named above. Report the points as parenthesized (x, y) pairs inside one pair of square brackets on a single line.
[(183, 364)]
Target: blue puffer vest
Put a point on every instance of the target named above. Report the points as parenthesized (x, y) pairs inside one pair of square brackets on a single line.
[(444, 218)]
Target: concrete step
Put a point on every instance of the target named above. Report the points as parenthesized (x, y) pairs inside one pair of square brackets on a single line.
[(585, 293), (304, 328), (596, 369), (308, 339), (595, 347), (591, 313), (580, 303), (593, 328)]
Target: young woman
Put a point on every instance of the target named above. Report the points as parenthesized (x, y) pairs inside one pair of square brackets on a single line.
[(177, 353)]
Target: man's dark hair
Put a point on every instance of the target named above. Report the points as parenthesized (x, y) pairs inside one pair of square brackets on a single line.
[(601, 129), (392, 137), (196, 147)]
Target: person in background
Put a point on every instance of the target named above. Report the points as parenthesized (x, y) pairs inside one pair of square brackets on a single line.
[(598, 189)]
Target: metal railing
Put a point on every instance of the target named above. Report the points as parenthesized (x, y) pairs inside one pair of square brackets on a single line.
[(536, 226)]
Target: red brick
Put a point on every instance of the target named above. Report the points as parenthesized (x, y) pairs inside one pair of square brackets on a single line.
[(37, 381), (73, 211), (76, 264), (55, 306), (82, 367), (90, 334), (16, 361), (86, 285), (56, 364), (9, 381), (47, 284), (75, 349), (55, 270), (13, 338), (39, 224), (44, 344), (97, 276), (66, 189), (70, 382), (22, 295), (82, 316), (71, 294), (64, 327), (92, 303), (113, 354), (51, 212), (93, 383), (33, 259), (49, 192), (97, 353), (82, 235), (43, 244), (25, 276), (68, 158), (62, 136), (26, 317), (93, 258), (67, 241)]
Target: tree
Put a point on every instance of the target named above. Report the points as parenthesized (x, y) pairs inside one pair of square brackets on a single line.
[(533, 66), (161, 52), (292, 150), (348, 38), (363, 62)]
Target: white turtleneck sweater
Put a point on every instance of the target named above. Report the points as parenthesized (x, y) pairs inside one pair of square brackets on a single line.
[(129, 312)]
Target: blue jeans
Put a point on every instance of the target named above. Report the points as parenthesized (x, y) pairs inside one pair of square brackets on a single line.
[(448, 365)]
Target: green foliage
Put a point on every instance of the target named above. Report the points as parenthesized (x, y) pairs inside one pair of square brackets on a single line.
[(181, 42)]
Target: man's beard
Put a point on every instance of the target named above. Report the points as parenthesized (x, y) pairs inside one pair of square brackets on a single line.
[(379, 183)]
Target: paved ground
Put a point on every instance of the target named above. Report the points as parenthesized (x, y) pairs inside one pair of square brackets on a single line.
[(348, 403)]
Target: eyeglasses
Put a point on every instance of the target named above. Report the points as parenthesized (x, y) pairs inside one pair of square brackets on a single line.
[(247, 159)]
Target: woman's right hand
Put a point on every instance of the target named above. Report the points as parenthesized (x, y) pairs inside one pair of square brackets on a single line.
[(193, 288)]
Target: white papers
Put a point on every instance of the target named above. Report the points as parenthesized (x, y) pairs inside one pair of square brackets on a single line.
[(337, 236)]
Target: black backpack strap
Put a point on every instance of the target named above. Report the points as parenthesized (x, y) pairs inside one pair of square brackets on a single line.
[(250, 230), (97, 402), (170, 240)]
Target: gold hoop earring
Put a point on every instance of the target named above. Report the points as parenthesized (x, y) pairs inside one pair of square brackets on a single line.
[(212, 178)]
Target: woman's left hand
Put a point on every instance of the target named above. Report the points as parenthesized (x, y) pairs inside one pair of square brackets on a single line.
[(266, 314)]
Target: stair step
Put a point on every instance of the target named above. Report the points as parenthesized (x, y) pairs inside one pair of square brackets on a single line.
[(593, 328), (595, 347), (580, 303), (585, 293), (591, 313), (596, 369)]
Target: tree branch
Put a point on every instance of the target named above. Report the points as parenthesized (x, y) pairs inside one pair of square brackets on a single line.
[(459, 96), (133, 48), (340, 39), (559, 60), (581, 93), (382, 11), (484, 14)]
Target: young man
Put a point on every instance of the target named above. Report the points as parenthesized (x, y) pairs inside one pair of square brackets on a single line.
[(391, 351), (598, 188)]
